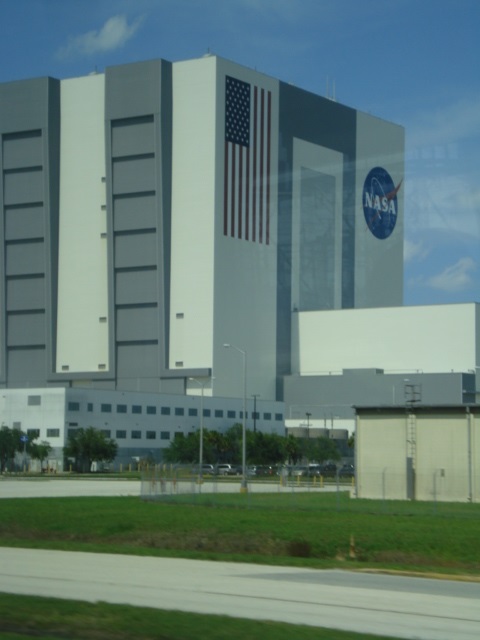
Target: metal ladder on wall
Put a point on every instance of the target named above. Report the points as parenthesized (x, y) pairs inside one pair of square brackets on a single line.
[(412, 437)]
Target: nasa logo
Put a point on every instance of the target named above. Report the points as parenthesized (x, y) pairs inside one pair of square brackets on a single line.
[(379, 201)]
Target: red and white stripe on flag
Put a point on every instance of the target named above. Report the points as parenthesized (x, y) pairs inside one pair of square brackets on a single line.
[(247, 162)]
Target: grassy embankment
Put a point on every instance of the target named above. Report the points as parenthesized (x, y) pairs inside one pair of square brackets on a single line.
[(308, 529)]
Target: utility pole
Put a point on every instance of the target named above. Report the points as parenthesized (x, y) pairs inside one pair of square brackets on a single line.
[(255, 396), (308, 423)]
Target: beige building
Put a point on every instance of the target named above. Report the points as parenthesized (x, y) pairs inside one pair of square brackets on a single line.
[(418, 453)]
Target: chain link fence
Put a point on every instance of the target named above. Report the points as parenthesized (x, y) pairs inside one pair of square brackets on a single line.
[(387, 492), (168, 482)]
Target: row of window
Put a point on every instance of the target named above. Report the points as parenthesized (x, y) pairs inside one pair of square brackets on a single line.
[(178, 411), (135, 434), (120, 434), (51, 433), (151, 410)]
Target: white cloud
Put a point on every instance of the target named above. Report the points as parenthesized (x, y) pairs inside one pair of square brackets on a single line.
[(470, 199), (414, 250), (456, 121), (454, 278), (113, 35), (436, 200)]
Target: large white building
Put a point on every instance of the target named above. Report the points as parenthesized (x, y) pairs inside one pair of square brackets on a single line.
[(157, 211)]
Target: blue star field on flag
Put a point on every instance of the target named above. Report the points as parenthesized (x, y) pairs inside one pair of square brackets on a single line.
[(237, 112)]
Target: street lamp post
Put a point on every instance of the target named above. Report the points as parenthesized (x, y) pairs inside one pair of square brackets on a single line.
[(243, 486), (200, 453), (255, 396)]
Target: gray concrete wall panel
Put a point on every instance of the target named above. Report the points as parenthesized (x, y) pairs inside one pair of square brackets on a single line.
[(23, 186), (29, 164), (133, 136), (26, 329), (52, 208), (136, 287), (27, 258), (132, 90), (136, 250), (23, 105), (137, 361), (22, 150), (137, 324), (26, 367), (25, 294), (145, 385), (317, 241), (379, 264), (164, 162), (323, 396), (135, 212), (138, 106), (173, 385), (24, 222), (323, 122), (134, 175)]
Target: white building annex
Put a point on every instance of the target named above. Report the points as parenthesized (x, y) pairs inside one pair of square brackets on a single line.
[(157, 211)]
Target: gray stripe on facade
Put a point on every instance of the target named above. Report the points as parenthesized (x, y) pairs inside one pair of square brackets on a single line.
[(133, 104), (29, 165), (323, 122)]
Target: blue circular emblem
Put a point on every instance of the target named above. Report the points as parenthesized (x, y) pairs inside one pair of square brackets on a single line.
[(379, 201)]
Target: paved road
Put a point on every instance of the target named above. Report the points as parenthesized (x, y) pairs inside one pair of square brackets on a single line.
[(58, 488), (63, 487), (401, 607)]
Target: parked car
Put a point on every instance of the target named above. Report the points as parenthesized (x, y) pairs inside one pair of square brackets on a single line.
[(261, 470), (99, 466), (228, 470), (329, 470), (347, 471), (300, 472), (207, 470), (314, 470)]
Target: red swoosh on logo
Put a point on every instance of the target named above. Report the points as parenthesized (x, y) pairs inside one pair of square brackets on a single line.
[(392, 194)]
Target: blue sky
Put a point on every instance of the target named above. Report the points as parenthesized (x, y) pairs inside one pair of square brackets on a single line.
[(412, 62)]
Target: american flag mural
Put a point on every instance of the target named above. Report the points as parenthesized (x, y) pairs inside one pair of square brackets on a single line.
[(248, 112)]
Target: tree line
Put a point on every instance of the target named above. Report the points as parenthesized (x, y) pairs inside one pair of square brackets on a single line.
[(261, 448), (13, 441), (83, 447), (87, 445)]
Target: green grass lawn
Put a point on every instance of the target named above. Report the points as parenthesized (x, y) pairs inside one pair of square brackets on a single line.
[(23, 617), (310, 529), (315, 530)]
